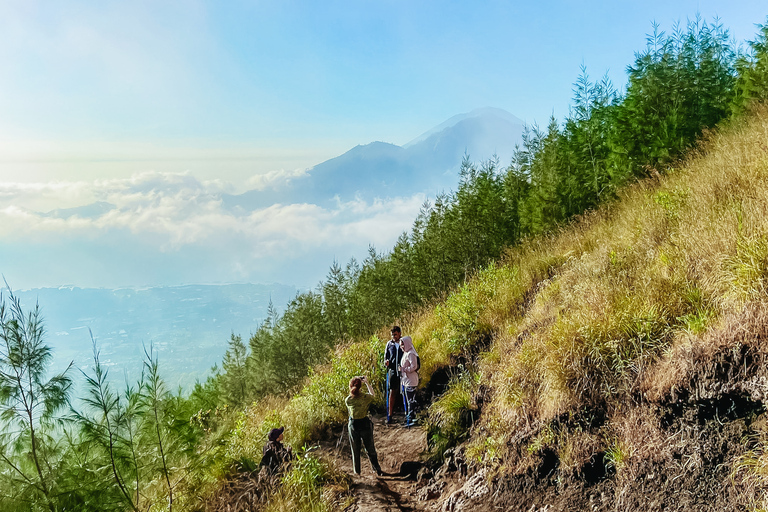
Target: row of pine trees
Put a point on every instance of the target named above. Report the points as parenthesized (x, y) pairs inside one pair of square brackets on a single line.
[(134, 448), (682, 84)]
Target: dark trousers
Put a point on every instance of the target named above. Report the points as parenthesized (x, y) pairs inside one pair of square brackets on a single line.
[(361, 433), (393, 390), (409, 397)]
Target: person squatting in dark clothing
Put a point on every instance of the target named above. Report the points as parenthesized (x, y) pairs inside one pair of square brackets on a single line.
[(276, 457), (360, 425), (393, 353)]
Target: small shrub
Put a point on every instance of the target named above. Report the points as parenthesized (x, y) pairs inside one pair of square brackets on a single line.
[(750, 470), (748, 268), (450, 416), (544, 439), (617, 455), (672, 201), (302, 488)]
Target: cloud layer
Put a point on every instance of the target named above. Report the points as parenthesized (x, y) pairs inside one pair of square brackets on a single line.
[(175, 215)]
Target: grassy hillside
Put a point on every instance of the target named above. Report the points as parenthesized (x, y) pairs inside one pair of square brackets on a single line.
[(611, 330), (577, 343), (622, 309)]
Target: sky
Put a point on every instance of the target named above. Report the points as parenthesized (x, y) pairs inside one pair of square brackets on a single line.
[(159, 108)]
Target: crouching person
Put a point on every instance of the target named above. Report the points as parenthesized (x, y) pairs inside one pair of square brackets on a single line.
[(276, 457)]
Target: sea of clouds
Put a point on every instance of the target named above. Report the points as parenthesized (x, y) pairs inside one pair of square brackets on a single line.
[(172, 215)]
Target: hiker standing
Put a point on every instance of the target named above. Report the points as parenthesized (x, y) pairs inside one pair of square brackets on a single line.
[(392, 356), (409, 377), (360, 425)]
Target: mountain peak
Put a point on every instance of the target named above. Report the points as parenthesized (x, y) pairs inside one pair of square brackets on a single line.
[(484, 112)]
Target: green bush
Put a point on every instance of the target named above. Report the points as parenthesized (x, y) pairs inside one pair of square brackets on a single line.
[(450, 417)]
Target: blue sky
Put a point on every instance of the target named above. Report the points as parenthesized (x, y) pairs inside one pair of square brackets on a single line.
[(98, 99)]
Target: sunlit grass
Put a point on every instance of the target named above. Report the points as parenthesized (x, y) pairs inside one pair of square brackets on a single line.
[(750, 471), (652, 271), (302, 487), (451, 415)]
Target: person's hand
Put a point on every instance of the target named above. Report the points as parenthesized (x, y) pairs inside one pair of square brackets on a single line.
[(386, 363)]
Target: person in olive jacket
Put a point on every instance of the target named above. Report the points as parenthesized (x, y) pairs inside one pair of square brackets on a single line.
[(360, 425)]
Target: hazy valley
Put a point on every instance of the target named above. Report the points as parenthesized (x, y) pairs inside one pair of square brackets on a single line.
[(188, 327)]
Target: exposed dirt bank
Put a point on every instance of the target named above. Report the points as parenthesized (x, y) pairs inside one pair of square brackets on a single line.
[(693, 416)]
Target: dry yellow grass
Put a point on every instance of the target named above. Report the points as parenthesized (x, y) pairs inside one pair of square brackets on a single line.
[(750, 471), (631, 289)]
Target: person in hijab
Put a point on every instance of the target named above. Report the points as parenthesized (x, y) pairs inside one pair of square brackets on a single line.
[(360, 425), (409, 378)]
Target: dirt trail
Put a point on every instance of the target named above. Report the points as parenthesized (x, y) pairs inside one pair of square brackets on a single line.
[(395, 445)]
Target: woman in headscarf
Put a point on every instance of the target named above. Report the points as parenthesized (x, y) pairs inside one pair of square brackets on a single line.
[(409, 378), (360, 425)]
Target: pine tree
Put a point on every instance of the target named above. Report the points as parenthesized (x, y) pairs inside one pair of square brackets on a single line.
[(586, 135), (752, 82), (108, 427), (544, 205), (678, 86), (335, 309), (235, 380), (154, 399), (29, 401)]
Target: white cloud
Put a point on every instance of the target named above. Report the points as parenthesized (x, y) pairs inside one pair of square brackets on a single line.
[(47, 196), (175, 210), (273, 179)]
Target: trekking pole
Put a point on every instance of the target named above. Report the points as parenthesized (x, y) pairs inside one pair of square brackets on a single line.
[(341, 437)]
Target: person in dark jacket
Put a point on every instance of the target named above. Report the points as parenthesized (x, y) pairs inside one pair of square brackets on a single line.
[(393, 353), (360, 425), (275, 456)]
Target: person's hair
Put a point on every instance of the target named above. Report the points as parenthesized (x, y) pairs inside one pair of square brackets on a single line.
[(395, 329), (354, 385)]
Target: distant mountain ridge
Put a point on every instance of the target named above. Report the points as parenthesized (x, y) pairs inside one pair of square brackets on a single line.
[(428, 163), (485, 113)]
